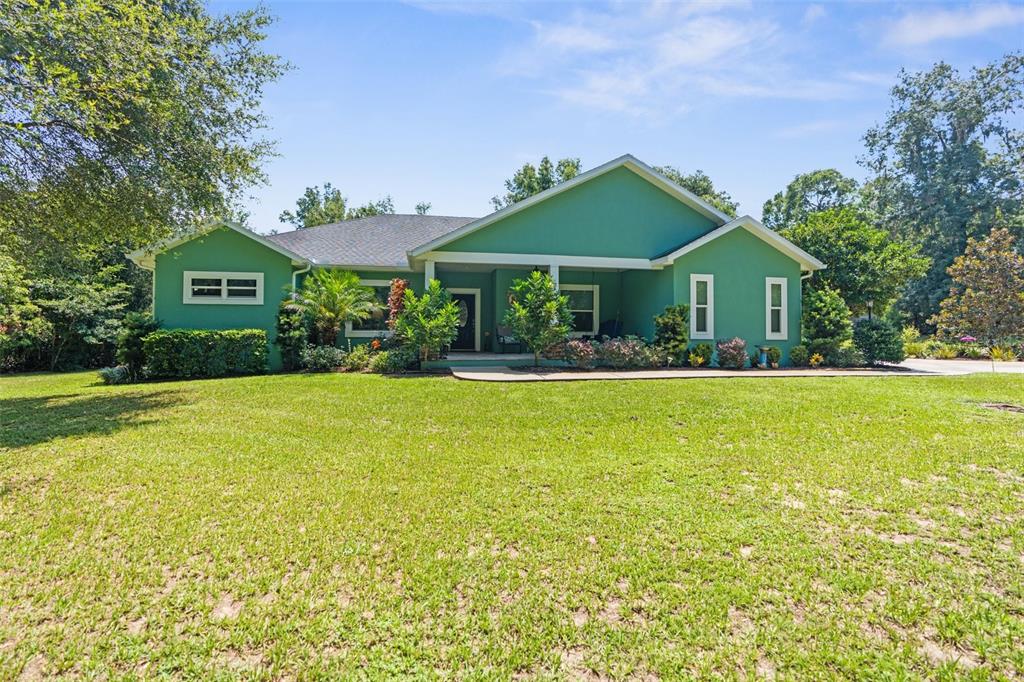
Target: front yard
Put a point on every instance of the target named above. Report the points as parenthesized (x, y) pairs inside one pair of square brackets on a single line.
[(315, 526)]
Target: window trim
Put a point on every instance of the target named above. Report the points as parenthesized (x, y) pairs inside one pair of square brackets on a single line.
[(596, 288), (710, 333), (368, 333), (783, 333), (188, 299)]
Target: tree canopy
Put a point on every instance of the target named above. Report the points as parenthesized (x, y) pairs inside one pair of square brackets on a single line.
[(319, 206), (700, 184), (819, 190), (947, 157), (125, 121), (530, 180)]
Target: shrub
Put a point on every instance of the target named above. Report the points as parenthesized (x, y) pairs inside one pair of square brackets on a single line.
[(580, 354), (193, 353), (429, 322), (878, 341), (358, 358), (658, 356), (292, 333), (396, 300), (672, 332), (115, 375), (942, 351), (799, 355), (774, 354), (134, 328), (816, 360), (909, 334), (333, 297), (623, 353), (322, 358), (393, 361), (826, 321), (732, 353), (1003, 354), (700, 355), (539, 316), (915, 349), (973, 352), (847, 355)]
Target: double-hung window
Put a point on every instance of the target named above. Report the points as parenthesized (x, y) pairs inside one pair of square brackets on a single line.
[(702, 306), (377, 324), (585, 304), (775, 309), (222, 288)]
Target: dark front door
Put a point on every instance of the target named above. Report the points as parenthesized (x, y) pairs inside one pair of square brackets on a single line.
[(466, 337)]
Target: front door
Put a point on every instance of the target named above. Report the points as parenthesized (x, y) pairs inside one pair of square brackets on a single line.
[(465, 339)]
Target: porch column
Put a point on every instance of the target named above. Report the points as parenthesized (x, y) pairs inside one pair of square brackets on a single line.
[(428, 273), (553, 271)]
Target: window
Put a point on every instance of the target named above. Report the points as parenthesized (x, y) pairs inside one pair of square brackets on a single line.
[(584, 302), (702, 306), (377, 323), (223, 288), (775, 308)]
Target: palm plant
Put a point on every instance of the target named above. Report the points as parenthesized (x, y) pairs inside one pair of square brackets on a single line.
[(332, 298)]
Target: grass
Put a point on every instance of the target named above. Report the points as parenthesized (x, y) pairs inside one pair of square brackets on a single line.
[(328, 526)]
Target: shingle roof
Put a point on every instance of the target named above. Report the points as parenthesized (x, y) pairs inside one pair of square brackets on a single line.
[(381, 240)]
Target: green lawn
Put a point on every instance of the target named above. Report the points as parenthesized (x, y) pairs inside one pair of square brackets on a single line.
[(330, 525)]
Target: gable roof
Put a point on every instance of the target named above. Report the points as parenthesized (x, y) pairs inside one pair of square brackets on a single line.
[(144, 257), (626, 160), (774, 239), (375, 241)]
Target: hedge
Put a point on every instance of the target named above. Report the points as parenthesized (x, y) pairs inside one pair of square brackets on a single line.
[(192, 353)]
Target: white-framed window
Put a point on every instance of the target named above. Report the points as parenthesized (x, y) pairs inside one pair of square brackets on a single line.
[(585, 304), (702, 306), (222, 288), (775, 309), (376, 324)]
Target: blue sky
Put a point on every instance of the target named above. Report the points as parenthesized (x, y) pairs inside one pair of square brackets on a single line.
[(441, 102)]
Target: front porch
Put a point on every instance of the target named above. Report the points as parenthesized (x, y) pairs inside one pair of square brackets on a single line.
[(457, 359)]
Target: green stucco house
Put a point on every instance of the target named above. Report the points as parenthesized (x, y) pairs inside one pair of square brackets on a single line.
[(621, 240)]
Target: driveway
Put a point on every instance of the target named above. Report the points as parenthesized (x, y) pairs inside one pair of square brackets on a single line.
[(954, 367)]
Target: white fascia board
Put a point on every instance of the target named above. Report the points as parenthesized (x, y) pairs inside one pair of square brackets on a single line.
[(806, 260), (145, 257), (626, 160)]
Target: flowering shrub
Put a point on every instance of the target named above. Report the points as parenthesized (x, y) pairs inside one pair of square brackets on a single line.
[(816, 360), (622, 353), (580, 354), (732, 353), (700, 355)]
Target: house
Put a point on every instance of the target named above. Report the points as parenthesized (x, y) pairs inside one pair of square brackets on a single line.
[(621, 241)]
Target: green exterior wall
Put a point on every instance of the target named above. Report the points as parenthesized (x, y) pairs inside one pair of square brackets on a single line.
[(645, 294), (615, 215), (222, 250)]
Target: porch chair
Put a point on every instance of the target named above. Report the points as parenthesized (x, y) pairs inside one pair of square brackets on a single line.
[(504, 337)]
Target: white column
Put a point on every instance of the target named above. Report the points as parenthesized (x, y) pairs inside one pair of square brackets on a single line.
[(428, 273), (553, 271)]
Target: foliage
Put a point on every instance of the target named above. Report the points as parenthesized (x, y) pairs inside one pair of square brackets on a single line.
[(943, 351), (816, 360), (538, 315), (394, 361), (946, 162), (530, 180), (700, 184), (333, 297), (878, 341), (195, 353), (292, 333), (732, 353), (625, 353), (701, 355), (423, 208), (23, 328), (134, 328), (1003, 353), (799, 355), (125, 121), (118, 374), (358, 358), (322, 358), (396, 300), (846, 355), (809, 193), (774, 354), (580, 354), (986, 297), (672, 332), (429, 322), (863, 262), (325, 206), (826, 321)]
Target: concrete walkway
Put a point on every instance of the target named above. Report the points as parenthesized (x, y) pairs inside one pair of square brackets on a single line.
[(911, 367)]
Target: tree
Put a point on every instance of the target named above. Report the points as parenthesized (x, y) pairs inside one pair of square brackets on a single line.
[(380, 207), (423, 208), (672, 332), (863, 262), (826, 322), (986, 297), (879, 341), (700, 184), (946, 159), (539, 316), (529, 180), (820, 190), (326, 206), (22, 325), (124, 121), (333, 297), (429, 322)]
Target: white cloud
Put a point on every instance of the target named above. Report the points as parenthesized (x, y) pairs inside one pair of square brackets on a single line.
[(923, 27), (809, 129), (572, 38), (812, 14)]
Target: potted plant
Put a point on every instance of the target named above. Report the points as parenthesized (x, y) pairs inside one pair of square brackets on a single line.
[(774, 355)]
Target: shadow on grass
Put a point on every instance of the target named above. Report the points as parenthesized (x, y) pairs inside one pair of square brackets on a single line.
[(28, 421)]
